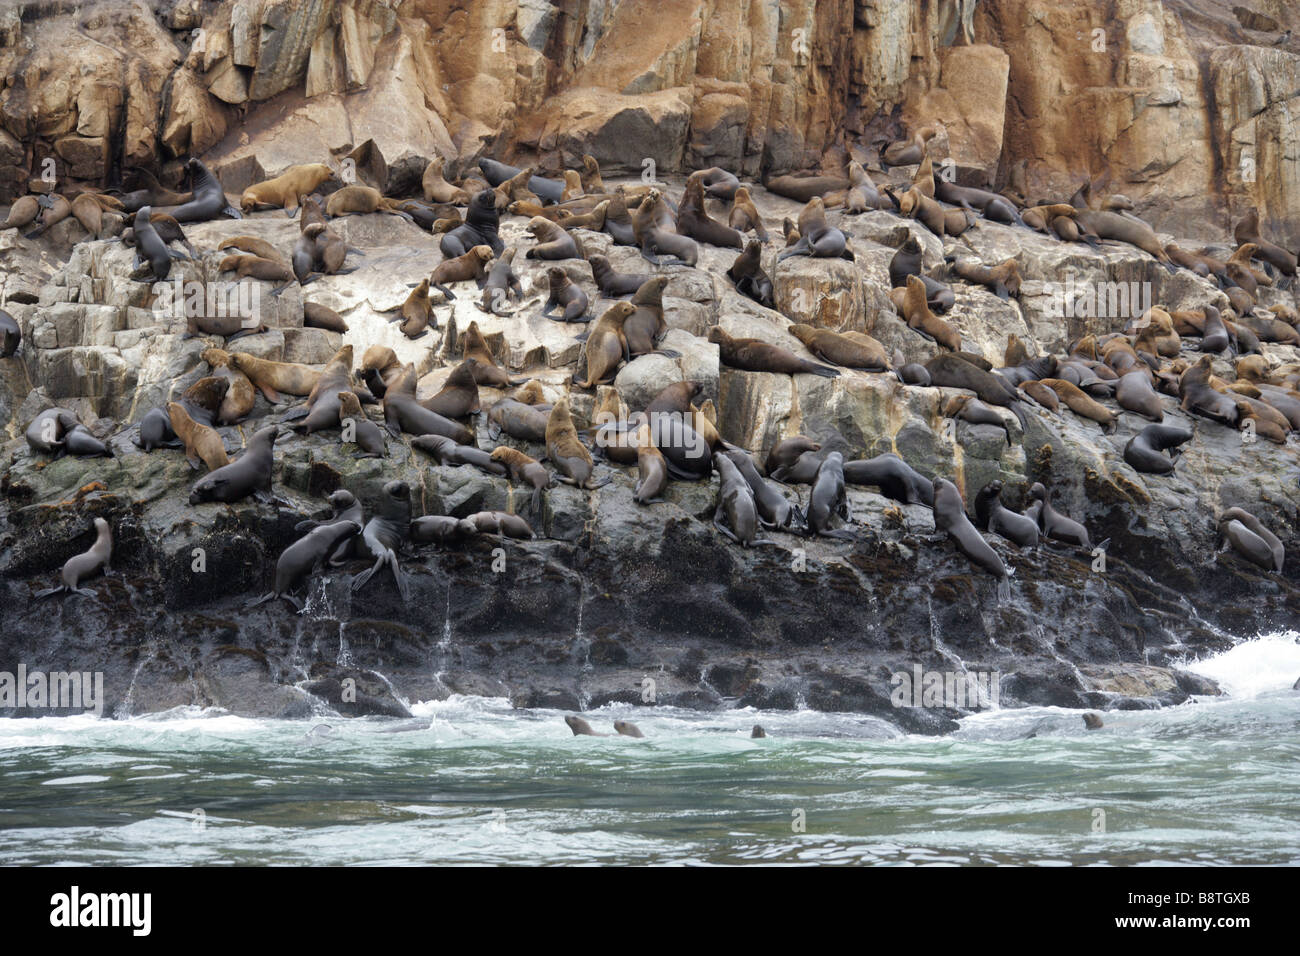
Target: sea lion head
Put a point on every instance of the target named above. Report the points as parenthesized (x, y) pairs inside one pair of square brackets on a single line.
[(215, 357), (619, 312), (802, 332), (1037, 492), (342, 500), (208, 392), (398, 489), (717, 336), (1092, 721), (482, 253), (378, 357)]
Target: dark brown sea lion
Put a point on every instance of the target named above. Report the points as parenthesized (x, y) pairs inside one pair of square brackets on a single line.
[(751, 281), (317, 316), (501, 285), (249, 474), (1267, 551), (646, 325), (1198, 396), (1134, 393), (950, 518), (693, 221), (607, 346), (909, 151), (816, 238), (472, 265), (566, 451), (366, 435), (566, 293), (480, 228), (654, 237), (744, 215), (403, 412), (755, 355), (1003, 279), (1247, 230), (322, 406), (993, 516), (240, 393), (458, 397), (553, 241), (518, 420), (785, 452), (613, 284), (1145, 450), (804, 188)]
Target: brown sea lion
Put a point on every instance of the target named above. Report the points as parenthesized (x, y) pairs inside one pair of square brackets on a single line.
[(804, 188), (1111, 225), (1248, 231), (240, 392), (909, 151), (564, 449), (367, 436), (787, 451), (913, 204), (202, 443), (553, 241), (717, 182), (403, 412), (646, 325), (607, 346), (695, 222), (521, 468), (518, 420), (816, 238), (1042, 394), (317, 316), (744, 215), (591, 181), (436, 189), (852, 350), (22, 213), (1003, 279), (593, 220), (268, 270), (473, 265), (277, 379), (362, 199), (416, 312), (653, 234), (1082, 404), (566, 293), (755, 355), (458, 396), (283, 191), (486, 370), (652, 468), (916, 313), (253, 245)]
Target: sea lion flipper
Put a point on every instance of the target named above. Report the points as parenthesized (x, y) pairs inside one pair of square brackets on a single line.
[(46, 592), (233, 213), (295, 413)]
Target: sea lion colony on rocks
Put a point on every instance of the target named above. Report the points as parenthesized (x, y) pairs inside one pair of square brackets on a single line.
[(1144, 370)]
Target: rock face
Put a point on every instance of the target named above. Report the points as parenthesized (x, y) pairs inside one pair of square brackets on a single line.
[(1183, 104)]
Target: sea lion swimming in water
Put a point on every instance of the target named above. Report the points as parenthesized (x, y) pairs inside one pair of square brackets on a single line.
[(85, 565), (581, 728)]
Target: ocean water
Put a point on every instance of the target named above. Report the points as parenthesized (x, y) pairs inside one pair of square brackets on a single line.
[(1214, 781)]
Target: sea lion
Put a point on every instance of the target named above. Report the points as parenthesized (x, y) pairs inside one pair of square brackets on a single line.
[(1055, 525), (472, 265), (1198, 396), (992, 515), (89, 213), (581, 728), (565, 451), (250, 473), (209, 200), (1247, 230), (909, 151), (501, 284), (305, 557), (553, 241), (613, 284), (479, 228), (785, 452), (282, 192), (56, 209), (247, 265), (805, 188), (655, 239), (359, 199), (627, 729), (1082, 404), (202, 443), (317, 316), (744, 215), (862, 192), (344, 507), (758, 731), (437, 529), (916, 313), (518, 420), (522, 468), (607, 346), (168, 229), (81, 567), (694, 221), (755, 355), (829, 498), (367, 436), (321, 409), (1110, 225), (1267, 421), (501, 523), (1273, 555), (277, 379), (750, 279), (618, 222), (486, 371), (852, 350), (254, 246), (950, 518), (1144, 450), (1092, 721), (1133, 393), (79, 442), (384, 534), (970, 409), (458, 397), (774, 509), (894, 477), (548, 190), (416, 312), (11, 335), (151, 248), (910, 373), (816, 238), (590, 175), (22, 213), (995, 208), (156, 431), (735, 504), (446, 452), (646, 325), (717, 183), (436, 189), (151, 193), (404, 413), (565, 293), (652, 468), (1004, 279)]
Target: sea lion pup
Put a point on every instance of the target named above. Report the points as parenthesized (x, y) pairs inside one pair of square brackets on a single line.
[(566, 293), (367, 436), (607, 346), (566, 452), (862, 193), (150, 248), (816, 238), (894, 477), (202, 443), (81, 567), (909, 151), (1055, 525), (1247, 230), (359, 200), (403, 412), (416, 312), (1092, 721), (437, 529), (850, 349), (1134, 393), (479, 228), (47, 430), (283, 191), (694, 221), (56, 208), (238, 395), (209, 200), (458, 397), (611, 283), (950, 518), (253, 246), (652, 469), (304, 558), (735, 505), (277, 379), (1111, 225), (1144, 451), (750, 279), (446, 452), (744, 215), (435, 188), (384, 534), (1081, 403), (501, 523), (250, 473), (993, 516), (1274, 552), (22, 213), (472, 265), (590, 175), (1267, 421), (553, 241), (655, 239), (518, 420), (646, 326), (916, 313), (970, 409), (501, 284), (581, 728), (521, 468), (774, 509), (317, 316), (785, 452), (1003, 279), (1198, 396), (755, 355), (156, 431)]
